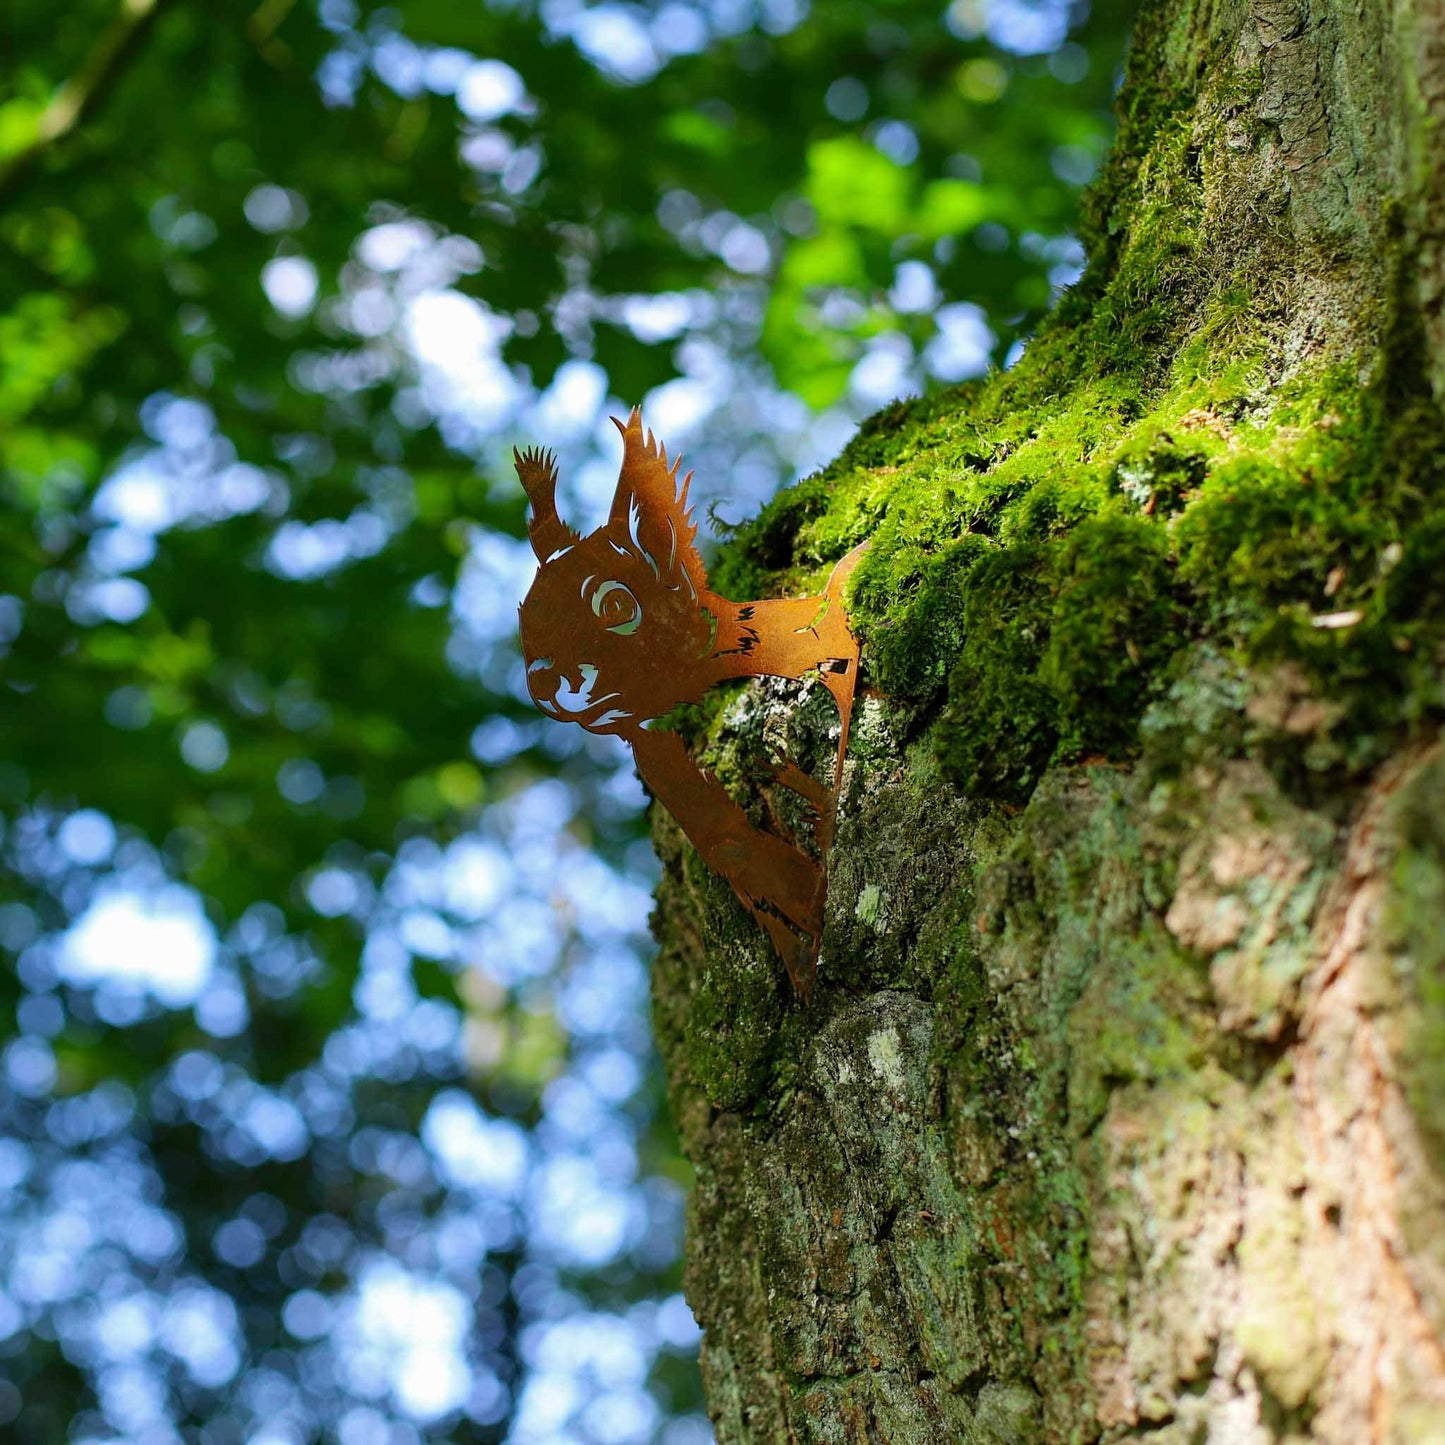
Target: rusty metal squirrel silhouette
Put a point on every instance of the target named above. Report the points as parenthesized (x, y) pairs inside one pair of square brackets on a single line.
[(620, 627)]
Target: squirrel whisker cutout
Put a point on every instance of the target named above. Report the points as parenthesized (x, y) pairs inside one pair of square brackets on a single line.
[(620, 627)]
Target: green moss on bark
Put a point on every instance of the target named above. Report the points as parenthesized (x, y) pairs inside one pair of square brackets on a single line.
[(1047, 568), (1045, 544)]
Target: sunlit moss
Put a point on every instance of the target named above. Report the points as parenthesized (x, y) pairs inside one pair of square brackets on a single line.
[(1048, 543)]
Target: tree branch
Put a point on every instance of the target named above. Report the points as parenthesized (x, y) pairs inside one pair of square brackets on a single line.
[(76, 99)]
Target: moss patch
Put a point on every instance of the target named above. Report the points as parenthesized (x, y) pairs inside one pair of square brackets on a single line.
[(1045, 577), (1048, 544)]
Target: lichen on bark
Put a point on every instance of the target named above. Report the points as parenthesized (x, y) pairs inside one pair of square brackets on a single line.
[(1119, 1110)]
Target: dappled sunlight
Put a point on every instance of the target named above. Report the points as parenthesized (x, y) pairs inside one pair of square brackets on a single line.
[(159, 943)]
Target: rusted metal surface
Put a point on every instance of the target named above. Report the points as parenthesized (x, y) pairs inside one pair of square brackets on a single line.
[(621, 627)]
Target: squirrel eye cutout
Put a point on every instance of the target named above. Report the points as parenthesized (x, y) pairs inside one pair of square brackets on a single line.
[(619, 610)]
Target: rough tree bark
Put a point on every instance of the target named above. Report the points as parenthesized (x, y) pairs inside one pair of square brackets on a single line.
[(1120, 1113)]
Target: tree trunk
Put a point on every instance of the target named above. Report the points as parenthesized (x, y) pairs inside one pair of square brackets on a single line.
[(1120, 1109)]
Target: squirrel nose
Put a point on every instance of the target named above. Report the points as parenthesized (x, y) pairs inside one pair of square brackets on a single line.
[(562, 691)]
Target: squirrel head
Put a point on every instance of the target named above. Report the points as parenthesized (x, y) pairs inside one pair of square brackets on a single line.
[(617, 624)]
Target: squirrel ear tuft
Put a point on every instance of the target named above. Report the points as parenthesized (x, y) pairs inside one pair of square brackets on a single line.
[(537, 472)]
